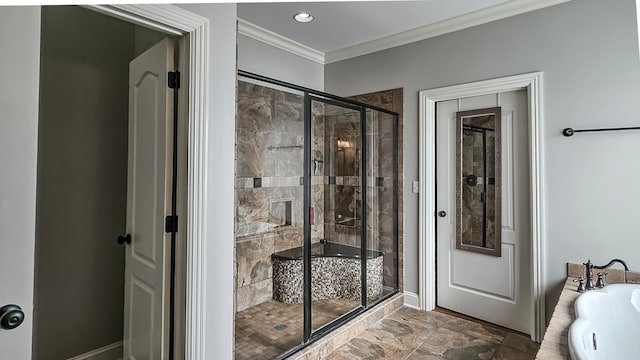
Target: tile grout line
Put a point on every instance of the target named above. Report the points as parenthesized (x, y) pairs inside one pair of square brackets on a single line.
[(427, 339)]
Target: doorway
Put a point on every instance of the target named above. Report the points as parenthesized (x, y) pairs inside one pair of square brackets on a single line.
[(430, 214), (483, 226), (83, 189)]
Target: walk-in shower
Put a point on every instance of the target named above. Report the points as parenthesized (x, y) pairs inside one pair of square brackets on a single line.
[(316, 213)]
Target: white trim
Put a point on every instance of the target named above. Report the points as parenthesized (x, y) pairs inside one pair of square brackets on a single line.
[(411, 300), (638, 23), (426, 205), (176, 20), (102, 353), (427, 235), (479, 17), (269, 37)]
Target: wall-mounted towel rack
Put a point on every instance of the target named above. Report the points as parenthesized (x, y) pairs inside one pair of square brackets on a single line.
[(569, 131)]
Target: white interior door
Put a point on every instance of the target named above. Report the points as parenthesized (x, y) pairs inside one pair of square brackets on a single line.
[(147, 273), (494, 289)]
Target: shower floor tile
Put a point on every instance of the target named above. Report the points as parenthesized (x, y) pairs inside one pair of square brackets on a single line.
[(269, 329)]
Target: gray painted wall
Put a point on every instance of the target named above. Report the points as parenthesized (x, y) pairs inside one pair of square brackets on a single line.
[(257, 57), (19, 69), (588, 51), (82, 181)]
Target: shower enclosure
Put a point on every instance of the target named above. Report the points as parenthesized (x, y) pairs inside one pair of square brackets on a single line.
[(316, 213)]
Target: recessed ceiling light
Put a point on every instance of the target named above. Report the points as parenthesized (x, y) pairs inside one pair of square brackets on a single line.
[(303, 17)]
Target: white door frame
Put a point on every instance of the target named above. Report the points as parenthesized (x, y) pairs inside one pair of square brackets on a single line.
[(532, 82), (177, 21)]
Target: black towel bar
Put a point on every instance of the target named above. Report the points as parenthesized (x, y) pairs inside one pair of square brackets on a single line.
[(569, 131)]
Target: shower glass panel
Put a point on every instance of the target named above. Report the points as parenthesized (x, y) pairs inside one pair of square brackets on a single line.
[(382, 203), (316, 214), (335, 230), (269, 220)]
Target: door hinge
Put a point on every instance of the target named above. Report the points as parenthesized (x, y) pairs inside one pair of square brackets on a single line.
[(173, 79), (171, 224)]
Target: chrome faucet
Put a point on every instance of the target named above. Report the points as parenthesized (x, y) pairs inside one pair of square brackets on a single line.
[(626, 267), (589, 273)]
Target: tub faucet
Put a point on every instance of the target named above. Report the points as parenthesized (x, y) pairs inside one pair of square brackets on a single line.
[(626, 267), (589, 272)]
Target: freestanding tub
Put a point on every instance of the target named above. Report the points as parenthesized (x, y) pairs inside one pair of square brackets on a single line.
[(607, 325), (335, 273)]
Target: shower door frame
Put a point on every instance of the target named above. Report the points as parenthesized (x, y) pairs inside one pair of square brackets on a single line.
[(310, 336)]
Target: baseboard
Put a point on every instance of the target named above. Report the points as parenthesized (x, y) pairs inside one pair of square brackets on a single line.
[(109, 352), (411, 300)]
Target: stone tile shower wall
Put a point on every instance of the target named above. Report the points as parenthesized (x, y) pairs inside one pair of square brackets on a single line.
[(380, 237), (342, 193), (269, 191), (342, 200), (269, 148)]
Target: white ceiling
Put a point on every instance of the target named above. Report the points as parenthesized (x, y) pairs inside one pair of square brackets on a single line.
[(339, 25)]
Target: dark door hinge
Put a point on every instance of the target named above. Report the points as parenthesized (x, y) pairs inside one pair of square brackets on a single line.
[(174, 79), (171, 224)]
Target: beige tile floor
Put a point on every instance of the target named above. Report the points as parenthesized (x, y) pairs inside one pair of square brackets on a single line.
[(412, 335), (405, 334)]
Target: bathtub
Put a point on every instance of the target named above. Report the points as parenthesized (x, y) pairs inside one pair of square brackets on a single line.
[(607, 324), (335, 273)]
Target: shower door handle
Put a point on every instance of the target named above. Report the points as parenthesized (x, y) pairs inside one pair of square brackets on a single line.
[(442, 213)]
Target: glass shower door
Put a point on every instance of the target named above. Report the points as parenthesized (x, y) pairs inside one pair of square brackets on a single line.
[(335, 211), (269, 220), (316, 214), (382, 202)]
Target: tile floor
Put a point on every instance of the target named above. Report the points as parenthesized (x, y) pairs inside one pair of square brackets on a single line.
[(269, 329), (405, 334), (412, 335)]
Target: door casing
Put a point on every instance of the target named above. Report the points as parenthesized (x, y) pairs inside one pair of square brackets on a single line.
[(177, 21), (532, 82)]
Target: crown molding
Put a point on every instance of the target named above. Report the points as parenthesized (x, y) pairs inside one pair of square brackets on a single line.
[(269, 37), (475, 18)]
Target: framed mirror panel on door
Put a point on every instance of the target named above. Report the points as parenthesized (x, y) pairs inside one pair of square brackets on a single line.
[(478, 181)]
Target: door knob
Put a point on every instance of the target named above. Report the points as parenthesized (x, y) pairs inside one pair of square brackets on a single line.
[(11, 316), (124, 239), (442, 213)]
